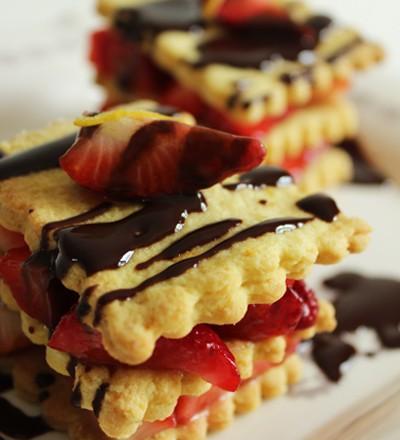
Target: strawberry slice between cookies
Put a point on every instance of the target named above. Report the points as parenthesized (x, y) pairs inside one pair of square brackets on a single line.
[(143, 154), (201, 352)]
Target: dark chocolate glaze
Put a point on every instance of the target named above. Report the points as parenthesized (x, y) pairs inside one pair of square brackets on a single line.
[(369, 302), (84, 307), (319, 23), (198, 237), (6, 382), (150, 19), (260, 177), (102, 246), (330, 352), (99, 398), (37, 159), (278, 225), (76, 396), (321, 206), (88, 215), (17, 425), (364, 172), (259, 40), (44, 380)]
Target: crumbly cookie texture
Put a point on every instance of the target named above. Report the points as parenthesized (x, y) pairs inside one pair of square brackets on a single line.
[(331, 167), (329, 122), (176, 52), (80, 425), (218, 291)]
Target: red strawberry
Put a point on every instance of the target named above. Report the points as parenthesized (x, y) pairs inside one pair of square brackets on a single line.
[(263, 321), (11, 336), (201, 352), (10, 240), (32, 286), (10, 271), (296, 310), (127, 158), (180, 97), (310, 305), (236, 11)]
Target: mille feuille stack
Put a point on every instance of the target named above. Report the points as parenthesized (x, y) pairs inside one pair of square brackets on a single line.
[(265, 68), (160, 270)]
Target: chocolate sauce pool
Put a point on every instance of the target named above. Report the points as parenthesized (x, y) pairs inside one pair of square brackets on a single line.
[(360, 302)]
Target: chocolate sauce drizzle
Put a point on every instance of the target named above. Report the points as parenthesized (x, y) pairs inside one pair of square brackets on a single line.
[(37, 159), (16, 424), (261, 177), (320, 205), (360, 302), (102, 246), (99, 398), (198, 237), (153, 18), (276, 226)]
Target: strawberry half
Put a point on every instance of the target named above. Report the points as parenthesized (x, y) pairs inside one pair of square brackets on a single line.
[(201, 352), (296, 310), (128, 157), (11, 336)]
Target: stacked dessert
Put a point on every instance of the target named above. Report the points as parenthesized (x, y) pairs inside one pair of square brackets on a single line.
[(270, 69), (161, 273)]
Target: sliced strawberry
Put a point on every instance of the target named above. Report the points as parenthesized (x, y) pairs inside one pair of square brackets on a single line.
[(80, 341), (127, 158), (11, 336), (296, 310), (10, 240), (236, 11), (310, 305), (11, 272), (201, 352)]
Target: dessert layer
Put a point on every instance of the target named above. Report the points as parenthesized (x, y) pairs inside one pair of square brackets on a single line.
[(79, 424), (149, 297), (250, 94)]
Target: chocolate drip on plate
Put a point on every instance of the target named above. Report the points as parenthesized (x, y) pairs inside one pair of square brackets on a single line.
[(321, 206), (198, 237), (103, 246), (261, 177), (36, 159), (277, 226), (330, 353), (16, 424), (360, 302)]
